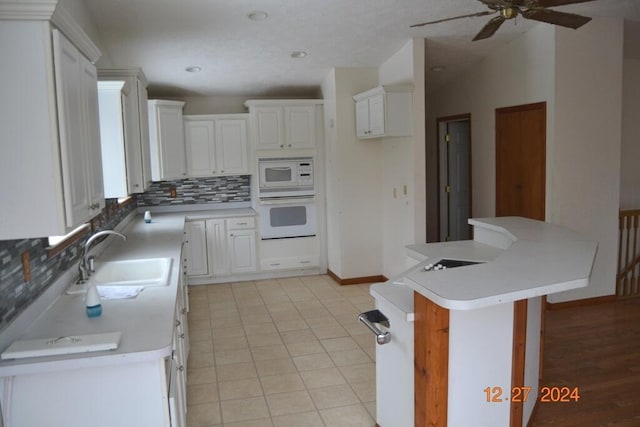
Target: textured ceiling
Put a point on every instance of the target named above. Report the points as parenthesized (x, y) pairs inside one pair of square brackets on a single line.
[(243, 57)]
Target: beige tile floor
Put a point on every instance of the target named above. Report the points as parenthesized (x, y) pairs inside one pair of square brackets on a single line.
[(286, 352)]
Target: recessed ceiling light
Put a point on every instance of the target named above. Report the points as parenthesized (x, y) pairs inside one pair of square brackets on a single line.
[(437, 68), (193, 69), (298, 54), (257, 15)]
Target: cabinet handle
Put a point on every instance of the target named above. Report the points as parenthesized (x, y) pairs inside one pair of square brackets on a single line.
[(181, 368), (281, 146), (289, 145), (178, 323), (275, 264), (213, 171), (221, 171), (136, 185), (182, 336), (184, 311), (305, 262), (231, 234), (241, 223)]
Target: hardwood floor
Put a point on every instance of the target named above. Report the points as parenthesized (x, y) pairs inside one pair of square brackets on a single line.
[(597, 349)]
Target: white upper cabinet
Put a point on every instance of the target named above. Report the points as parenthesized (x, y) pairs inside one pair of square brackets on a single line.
[(77, 89), (268, 127), (216, 144), (300, 126), (284, 125), (384, 111), (50, 150), (134, 174), (166, 140), (199, 137), (231, 146), (112, 138)]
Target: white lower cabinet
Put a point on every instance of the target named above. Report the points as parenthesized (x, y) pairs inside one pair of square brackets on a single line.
[(177, 375), (127, 393), (196, 248), (228, 246)]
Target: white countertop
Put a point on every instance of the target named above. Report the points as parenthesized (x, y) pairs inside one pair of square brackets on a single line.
[(146, 322), (522, 258)]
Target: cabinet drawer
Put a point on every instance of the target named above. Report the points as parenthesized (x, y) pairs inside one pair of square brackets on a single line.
[(289, 263), (241, 223)]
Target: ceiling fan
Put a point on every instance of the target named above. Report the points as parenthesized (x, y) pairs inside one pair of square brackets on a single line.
[(529, 9)]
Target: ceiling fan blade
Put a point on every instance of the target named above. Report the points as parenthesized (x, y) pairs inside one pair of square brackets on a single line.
[(490, 28), (553, 3), (497, 4), (563, 19), (471, 15)]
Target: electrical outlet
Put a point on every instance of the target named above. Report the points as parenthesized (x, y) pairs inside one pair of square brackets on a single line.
[(26, 267), (173, 192)]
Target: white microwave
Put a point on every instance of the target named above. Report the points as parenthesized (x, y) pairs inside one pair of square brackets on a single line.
[(283, 177)]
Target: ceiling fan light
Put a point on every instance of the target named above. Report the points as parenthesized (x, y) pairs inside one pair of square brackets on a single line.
[(509, 12)]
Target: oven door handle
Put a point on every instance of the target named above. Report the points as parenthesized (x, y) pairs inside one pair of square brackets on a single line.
[(287, 201)]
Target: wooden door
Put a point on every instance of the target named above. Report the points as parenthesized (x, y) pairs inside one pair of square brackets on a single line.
[(520, 161)]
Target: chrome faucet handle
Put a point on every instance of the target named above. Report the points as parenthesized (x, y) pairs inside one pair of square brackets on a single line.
[(91, 266)]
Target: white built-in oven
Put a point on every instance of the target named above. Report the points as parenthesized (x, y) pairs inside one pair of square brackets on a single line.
[(287, 217), (285, 176)]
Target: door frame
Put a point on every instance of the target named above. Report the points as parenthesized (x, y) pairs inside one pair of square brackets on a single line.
[(444, 121)]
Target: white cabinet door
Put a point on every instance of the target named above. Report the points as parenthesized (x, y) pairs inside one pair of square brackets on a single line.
[(77, 90), (231, 146), (376, 115), (217, 246), (300, 126), (90, 118), (200, 147), (362, 118), (112, 138), (166, 140), (197, 257), (269, 123), (242, 250), (143, 127)]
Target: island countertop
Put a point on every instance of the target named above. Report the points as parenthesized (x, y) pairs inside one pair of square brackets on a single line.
[(520, 258)]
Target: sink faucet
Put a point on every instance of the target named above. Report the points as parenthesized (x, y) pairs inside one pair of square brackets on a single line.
[(84, 268)]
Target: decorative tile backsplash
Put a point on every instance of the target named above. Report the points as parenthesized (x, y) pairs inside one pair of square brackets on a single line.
[(197, 191), (15, 293)]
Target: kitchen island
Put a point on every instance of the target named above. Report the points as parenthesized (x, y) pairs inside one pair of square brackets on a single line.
[(478, 327)]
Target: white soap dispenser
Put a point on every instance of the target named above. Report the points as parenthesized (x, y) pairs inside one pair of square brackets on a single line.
[(94, 307)]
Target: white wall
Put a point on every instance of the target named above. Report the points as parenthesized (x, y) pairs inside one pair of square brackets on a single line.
[(354, 211), (519, 73), (630, 172), (565, 68), (403, 185), (585, 187)]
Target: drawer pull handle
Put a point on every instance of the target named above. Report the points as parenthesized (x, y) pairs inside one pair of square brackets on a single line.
[(275, 264), (241, 223), (305, 262)]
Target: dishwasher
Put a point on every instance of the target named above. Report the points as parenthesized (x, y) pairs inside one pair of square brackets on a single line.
[(392, 323)]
